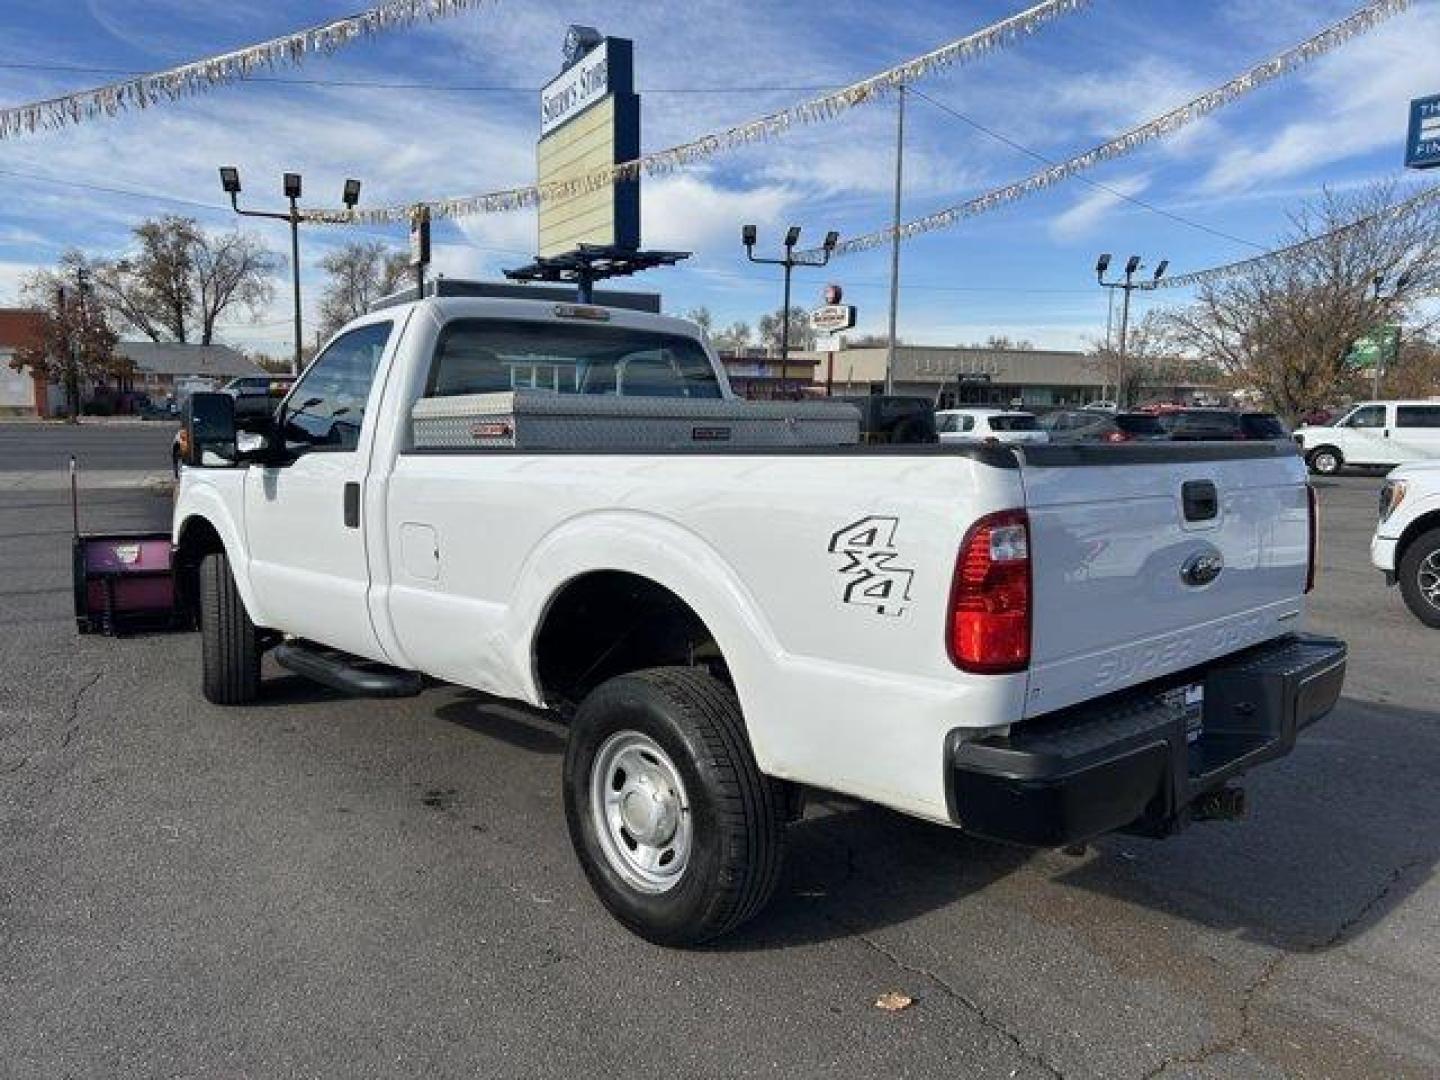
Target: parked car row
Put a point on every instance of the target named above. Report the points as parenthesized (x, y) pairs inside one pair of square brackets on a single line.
[(1092, 424)]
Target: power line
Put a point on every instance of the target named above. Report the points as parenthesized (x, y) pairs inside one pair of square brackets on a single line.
[(18, 65), (1116, 192)]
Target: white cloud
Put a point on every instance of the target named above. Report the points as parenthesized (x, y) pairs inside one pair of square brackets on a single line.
[(691, 213), (1090, 209), (1357, 102)]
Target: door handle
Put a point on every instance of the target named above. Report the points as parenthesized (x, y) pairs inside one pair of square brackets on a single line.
[(352, 505)]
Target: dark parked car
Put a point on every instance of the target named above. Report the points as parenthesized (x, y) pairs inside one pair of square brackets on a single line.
[(1093, 425), (893, 419), (1208, 425)]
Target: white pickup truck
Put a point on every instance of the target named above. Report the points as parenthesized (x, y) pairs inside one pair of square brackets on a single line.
[(1406, 545), (1034, 644)]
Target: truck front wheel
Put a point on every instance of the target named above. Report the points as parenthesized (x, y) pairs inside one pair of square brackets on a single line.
[(1419, 576), (677, 829), (229, 642)]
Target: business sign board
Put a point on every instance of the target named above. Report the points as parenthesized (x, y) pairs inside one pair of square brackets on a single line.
[(1422, 148), (589, 119), (1376, 347), (832, 318)]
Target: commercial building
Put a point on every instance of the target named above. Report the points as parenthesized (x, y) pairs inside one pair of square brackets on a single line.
[(1034, 378)]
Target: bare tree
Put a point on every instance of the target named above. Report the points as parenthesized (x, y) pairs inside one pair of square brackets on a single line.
[(359, 274), (702, 318), (183, 280), (734, 337), (75, 343), (1285, 326), (802, 335), (1152, 362)]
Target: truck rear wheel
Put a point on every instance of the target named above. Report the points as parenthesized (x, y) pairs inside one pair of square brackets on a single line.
[(229, 642), (1419, 577), (680, 834)]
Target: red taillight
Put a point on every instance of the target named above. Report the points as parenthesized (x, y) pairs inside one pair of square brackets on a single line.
[(1314, 544), (1117, 436), (989, 628)]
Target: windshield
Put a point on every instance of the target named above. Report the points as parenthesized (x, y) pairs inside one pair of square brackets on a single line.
[(480, 356), (1014, 422)]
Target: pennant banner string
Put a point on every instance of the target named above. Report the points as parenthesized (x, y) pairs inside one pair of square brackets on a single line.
[(1283, 63), (826, 107), (1418, 201), (201, 75)]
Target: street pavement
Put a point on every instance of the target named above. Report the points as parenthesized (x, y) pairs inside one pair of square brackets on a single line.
[(317, 886)]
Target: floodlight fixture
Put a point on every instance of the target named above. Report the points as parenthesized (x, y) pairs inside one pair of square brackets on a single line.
[(748, 235), (792, 236), (1132, 265), (1160, 270), (230, 179), (1102, 264), (352, 194), (832, 238), (292, 185)]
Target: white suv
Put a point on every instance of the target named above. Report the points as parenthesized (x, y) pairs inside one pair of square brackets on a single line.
[(988, 425), (1374, 433)]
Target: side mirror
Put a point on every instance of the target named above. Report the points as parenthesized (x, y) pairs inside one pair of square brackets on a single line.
[(210, 431)]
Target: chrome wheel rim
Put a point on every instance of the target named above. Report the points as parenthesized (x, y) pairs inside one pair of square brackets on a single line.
[(1325, 463), (1427, 579), (640, 812)]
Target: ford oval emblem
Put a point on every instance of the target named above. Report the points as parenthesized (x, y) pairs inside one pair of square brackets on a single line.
[(1202, 568)]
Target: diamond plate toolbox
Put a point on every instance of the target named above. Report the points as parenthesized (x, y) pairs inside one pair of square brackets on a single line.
[(543, 420)]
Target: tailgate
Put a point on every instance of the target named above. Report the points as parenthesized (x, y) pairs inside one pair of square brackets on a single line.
[(1151, 558)]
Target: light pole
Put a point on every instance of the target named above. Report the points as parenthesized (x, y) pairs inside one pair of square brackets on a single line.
[(1396, 290), (230, 181), (1127, 286), (789, 262)]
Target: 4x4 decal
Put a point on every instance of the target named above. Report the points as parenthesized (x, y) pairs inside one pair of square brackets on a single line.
[(872, 579)]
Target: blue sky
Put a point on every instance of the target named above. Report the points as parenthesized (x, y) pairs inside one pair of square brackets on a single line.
[(1024, 270)]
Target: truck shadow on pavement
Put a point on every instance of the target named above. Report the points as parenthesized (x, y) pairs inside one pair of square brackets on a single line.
[(1339, 835)]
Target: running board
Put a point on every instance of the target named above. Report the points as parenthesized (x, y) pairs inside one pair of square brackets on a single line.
[(348, 674)]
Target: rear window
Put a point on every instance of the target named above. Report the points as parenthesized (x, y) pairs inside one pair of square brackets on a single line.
[(1421, 416), (1197, 423), (481, 356), (1139, 424), (1262, 426), (1014, 423)]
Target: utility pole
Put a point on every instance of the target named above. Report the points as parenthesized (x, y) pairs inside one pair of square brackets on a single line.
[(748, 236), (1127, 286), (895, 242)]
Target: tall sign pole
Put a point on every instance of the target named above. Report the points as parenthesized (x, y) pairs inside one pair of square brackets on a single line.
[(895, 243)]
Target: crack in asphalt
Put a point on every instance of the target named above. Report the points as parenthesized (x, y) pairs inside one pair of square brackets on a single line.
[(72, 718), (1271, 968), (1025, 1051)]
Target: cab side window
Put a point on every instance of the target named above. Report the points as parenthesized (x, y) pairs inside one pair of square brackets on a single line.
[(326, 409), (1371, 416)]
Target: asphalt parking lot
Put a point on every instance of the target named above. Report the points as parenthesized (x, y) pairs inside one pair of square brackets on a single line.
[(325, 887)]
